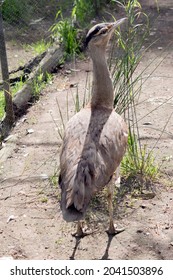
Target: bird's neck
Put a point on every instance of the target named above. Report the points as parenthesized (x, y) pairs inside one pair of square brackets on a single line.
[(102, 88)]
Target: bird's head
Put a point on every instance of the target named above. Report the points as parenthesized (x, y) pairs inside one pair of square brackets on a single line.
[(100, 34)]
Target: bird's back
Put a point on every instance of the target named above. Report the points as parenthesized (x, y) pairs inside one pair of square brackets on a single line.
[(93, 146)]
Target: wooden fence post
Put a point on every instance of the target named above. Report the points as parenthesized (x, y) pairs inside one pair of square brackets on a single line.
[(9, 116)]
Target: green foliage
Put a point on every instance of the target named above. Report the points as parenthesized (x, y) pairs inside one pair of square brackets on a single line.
[(65, 31), (83, 10), (14, 89), (15, 11), (17, 86), (53, 179), (128, 55), (40, 83), (40, 47), (2, 104), (138, 161)]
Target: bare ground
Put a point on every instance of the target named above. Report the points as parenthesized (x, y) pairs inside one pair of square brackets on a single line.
[(31, 225)]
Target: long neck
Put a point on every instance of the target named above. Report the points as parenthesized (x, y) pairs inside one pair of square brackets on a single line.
[(102, 89)]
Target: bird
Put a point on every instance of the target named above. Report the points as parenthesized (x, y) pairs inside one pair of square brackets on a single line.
[(95, 139)]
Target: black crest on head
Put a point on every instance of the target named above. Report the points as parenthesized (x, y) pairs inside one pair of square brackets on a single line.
[(91, 34)]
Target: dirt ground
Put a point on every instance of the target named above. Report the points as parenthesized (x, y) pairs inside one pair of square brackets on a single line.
[(31, 224)]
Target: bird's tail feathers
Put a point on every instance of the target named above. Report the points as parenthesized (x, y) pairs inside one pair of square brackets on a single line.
[(75, 198)]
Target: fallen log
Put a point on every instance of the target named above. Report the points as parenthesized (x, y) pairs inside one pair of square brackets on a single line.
[(23, 97), (25, 71)]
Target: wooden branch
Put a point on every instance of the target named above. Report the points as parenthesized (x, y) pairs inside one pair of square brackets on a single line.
[(26, 70), (50, 61)]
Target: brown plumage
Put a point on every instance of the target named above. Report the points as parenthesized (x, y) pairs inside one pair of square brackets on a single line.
[(95, 138)]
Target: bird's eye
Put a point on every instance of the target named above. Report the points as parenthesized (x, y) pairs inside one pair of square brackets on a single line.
[(104, 31)]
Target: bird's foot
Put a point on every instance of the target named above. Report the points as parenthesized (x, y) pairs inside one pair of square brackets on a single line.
[(113, 230), (82, 232), (79, 233)]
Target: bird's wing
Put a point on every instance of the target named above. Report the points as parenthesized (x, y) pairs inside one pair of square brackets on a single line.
[(93, 146)]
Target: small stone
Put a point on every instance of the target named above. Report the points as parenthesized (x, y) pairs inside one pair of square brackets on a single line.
[(29, 131), (44, 176), (25, 155), (147, 123), (73, 85), (22, 192), (143, 206), (23, 119), (68, 71), (10, 218)]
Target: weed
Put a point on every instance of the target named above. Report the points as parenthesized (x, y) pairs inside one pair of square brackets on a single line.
[(44, 199), (138, 162), (40, 83), (66, 33), (128, 55), (2, 104), (82, 11), (59, 241), (17, 86), (53, 179), (40, 47)]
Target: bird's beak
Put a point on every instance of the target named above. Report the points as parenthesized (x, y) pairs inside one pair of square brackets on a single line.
[(114, 25)]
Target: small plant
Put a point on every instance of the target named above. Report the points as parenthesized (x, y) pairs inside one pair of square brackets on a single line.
[(66, 33), (44, 199), (53, 179), (128, 55), (2, 104), (40, 83), (17, 86), (138, 162), (40, 47), (82, 11)]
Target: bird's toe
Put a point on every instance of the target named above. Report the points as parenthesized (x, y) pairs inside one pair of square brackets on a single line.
[(113, 229)]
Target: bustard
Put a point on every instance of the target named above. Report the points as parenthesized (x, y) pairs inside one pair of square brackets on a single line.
[(95, 138)]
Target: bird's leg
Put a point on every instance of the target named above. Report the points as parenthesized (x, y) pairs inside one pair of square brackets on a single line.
[(112, 230), (117, 177), (79, 233)]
